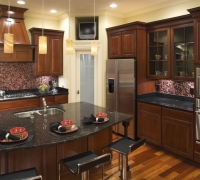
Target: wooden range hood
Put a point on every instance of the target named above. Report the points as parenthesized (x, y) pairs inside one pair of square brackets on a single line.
[(23, 50)]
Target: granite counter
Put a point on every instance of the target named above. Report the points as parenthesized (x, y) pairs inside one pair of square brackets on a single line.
[(39, 125), (168, 100)]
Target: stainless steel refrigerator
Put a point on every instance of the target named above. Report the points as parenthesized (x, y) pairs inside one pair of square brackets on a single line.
[(121, 91)]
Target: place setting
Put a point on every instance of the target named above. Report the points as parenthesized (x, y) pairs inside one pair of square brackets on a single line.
[(14, 137), (99, 119), (64, 128)]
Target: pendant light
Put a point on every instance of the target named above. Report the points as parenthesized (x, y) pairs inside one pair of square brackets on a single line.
[(69, 42), (42, 39), (8, 38), (94, 44)]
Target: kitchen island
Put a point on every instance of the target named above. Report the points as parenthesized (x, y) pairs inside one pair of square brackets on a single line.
[(46, 148)]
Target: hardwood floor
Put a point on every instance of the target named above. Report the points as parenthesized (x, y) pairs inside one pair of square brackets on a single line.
[(148, 162)]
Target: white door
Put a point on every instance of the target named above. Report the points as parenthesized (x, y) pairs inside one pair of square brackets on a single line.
[(85, 77)]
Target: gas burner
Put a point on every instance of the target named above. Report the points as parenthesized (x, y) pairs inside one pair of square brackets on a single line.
[(19, 95)]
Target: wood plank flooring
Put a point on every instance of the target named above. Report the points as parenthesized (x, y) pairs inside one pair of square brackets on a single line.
[(148, 162)]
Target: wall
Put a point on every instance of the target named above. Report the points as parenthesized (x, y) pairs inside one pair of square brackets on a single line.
[(15, 76), (157, 13), (180, 88)]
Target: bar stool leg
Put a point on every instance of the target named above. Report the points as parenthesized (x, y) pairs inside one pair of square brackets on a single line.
[(85, 175), (125, 173)]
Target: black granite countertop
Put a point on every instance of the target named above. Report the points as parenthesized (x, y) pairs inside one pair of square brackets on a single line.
[(168, 100), (60, 91), (39, 126)]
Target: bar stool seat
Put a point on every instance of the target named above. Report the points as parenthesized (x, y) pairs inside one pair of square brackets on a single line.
[(124, 147), (81, 163), (28, 174)]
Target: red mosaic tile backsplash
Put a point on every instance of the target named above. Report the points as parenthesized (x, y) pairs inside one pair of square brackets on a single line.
[(15, 76), (179, 88)]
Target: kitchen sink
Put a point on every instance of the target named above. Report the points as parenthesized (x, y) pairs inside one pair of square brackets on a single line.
[(50, 111)]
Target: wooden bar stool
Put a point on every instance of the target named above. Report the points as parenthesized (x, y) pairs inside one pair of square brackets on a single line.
[(28, 174), (82, 163), (124, 147)]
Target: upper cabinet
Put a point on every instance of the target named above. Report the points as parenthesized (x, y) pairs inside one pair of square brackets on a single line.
[(182, 52), (170, 49), (52, 62), (122, 41), (158, 53)]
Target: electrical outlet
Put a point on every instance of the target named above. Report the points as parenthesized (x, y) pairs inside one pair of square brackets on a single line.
[(191, 90)]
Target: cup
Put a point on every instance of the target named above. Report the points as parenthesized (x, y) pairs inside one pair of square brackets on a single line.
[(157, 73), (157, 56), (192, 74), (182, 73), (165, 56), (165, 73)]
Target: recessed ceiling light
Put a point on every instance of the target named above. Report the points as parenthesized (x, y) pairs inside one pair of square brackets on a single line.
[(113, 5), (20, 2), (53, 11)]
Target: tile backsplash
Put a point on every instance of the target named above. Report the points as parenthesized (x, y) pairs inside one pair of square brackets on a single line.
[(15, 76), (180, 88)]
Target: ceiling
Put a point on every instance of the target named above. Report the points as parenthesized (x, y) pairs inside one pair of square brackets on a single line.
[(87, 6)]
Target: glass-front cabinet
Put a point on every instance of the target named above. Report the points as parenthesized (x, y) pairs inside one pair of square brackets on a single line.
[(158, 54), (182, 52)]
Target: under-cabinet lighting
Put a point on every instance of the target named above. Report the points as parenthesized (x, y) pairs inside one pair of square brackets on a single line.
[(20, 2)]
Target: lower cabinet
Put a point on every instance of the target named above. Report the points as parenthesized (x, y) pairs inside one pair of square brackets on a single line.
[(168, 128), (149, 123), (177, 132), (35, 102)]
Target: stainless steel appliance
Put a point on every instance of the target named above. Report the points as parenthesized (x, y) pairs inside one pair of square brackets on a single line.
[(121, 91), (197, 112), (17, 95)]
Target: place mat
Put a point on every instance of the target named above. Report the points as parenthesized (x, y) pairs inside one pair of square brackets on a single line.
[(10, 144), (66, 135)]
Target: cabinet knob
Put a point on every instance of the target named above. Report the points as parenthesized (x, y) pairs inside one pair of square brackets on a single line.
[(77, 91)]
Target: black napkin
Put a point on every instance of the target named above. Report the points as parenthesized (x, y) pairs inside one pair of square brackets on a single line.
[(92, 118), (10, 136), (57, 126)]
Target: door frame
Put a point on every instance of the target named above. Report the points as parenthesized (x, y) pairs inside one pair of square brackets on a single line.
[(98, 80)]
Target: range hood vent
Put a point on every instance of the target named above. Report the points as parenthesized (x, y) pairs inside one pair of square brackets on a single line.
[(23, 50)]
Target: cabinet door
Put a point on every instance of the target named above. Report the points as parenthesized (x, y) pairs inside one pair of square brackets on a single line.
[(158, 54), (56, 55), (149, 123), (177, 136), (114, 45), (61, 99), (182, 52), (129, 43), (41, 60)]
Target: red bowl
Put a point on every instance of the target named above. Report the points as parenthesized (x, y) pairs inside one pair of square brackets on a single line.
[(17, 131), (67, 124), (101, 115)]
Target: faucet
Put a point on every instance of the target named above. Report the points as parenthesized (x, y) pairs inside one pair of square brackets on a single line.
[(45, 105)]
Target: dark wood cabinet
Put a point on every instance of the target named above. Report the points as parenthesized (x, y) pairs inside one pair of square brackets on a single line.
[(52, 62), (177, 132), (168, 128), (182, 56), (61, 99), (149, 123), (158, 53), (121, 42), (19, 104)]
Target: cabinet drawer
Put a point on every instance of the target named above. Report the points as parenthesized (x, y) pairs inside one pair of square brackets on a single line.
[(149, 108), (61, 99), (19, 104), (186, 116)]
